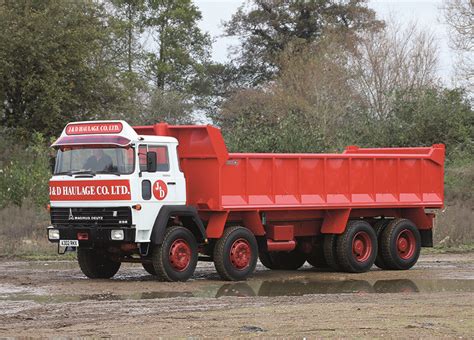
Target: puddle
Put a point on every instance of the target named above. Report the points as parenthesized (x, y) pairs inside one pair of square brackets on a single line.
[(265, 288)]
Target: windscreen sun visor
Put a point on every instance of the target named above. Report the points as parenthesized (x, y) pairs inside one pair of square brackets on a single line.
[(91, 140)]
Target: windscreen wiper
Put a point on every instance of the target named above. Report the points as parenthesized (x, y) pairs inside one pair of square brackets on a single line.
[(82, 172), (116, 173)]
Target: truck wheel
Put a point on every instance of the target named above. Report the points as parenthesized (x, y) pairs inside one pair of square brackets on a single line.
[(357, 247), (235, 254), (316, 258), (401, 244), (379, 227), (149, 268), (329, 251), (95, 264), (267, 261), (288, 260), (176, 258)]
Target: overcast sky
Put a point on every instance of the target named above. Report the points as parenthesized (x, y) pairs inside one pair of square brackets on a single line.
[(426, 13)]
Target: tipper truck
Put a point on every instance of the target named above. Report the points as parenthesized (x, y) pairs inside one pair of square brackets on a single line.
[(167, 196)]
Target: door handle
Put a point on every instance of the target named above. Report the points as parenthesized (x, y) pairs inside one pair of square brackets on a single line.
[(171, 183)]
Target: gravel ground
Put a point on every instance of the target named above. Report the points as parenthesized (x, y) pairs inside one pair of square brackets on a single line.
[(54, 299)]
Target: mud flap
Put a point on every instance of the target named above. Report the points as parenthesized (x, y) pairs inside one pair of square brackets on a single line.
[(426, 237)]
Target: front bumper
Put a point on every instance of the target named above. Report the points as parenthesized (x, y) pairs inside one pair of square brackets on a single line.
[(95, 235)]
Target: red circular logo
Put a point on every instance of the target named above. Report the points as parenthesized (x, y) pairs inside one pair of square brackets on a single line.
[(160, 190)]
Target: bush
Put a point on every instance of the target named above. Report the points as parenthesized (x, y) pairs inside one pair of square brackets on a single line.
[(25, 172), (23, 231), (453, 225), (425, 117)]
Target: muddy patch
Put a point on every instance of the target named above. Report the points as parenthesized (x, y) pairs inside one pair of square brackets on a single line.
[(274, 288)]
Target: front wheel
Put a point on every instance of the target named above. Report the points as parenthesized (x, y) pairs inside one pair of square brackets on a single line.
[(95, 264), (357, 247), (176, 258), (235, 254)]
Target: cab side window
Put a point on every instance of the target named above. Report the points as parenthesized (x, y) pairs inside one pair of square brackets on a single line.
[(162, 160)]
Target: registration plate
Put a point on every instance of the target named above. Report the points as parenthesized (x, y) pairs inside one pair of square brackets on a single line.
[(69, 243)]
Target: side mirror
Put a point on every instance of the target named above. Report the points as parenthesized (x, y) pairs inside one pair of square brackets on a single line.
[(151, 161)]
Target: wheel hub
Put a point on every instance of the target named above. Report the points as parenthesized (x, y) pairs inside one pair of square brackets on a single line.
[(406, 244), (402, 244), (240, 254), (361, 246), (180, 255)]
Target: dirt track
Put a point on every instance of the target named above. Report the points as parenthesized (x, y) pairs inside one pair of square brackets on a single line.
[(436, 298)]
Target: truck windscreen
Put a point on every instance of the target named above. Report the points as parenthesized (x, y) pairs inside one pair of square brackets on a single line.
[(95, 160)]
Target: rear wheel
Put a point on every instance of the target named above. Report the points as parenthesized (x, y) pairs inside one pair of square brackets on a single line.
[(329, 250), (176, 258), (400, 244), (148, 266), (357, 247), (288, 260), (235, 254), (316, 258), (379, 227), (95, 264), (267, 261)]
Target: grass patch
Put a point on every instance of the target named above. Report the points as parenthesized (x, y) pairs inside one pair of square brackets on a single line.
[(440, 249)]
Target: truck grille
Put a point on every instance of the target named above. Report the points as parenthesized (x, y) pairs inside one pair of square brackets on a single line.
[(117, 216)]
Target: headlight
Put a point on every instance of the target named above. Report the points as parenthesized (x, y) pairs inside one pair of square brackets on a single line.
[(53, 234), (116, 235)]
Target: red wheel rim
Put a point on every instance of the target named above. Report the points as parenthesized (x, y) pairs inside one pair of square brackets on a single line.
[(406, 244), (361, 246), (240, 254), (180, 255)]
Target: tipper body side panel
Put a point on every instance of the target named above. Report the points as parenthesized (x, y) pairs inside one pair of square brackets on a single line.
[(357, 178)]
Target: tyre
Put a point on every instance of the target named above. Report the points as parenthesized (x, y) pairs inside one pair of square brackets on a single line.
[(316, 258), (379, 227), (266, 260), (329, 251), (148, 266), (400, 244), (235, 254), (357, 247), (95, 264), (176, 258), (288, 260)]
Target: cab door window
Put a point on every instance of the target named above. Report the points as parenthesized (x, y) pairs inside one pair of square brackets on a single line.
[(162, 159)]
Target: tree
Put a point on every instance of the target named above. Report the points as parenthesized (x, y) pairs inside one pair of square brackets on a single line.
[(55, 65), (459, 15), (391, 60), (165, 58), (309, 107), (179, 49), (162, 106), (426, 116), (128, 17), (267, 28)]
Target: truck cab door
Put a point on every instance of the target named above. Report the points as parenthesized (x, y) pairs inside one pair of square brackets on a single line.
[(166, 185)]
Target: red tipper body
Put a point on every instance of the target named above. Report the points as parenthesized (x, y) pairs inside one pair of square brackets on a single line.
[(313, 193)]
